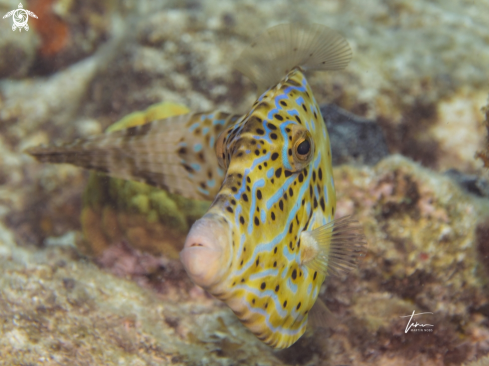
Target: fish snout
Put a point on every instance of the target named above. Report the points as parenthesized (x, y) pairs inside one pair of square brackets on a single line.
[(205, 254)]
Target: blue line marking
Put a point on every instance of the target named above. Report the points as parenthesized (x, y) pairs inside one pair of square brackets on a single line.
[(280, 192), (292, 286), (288, 89), (293, 112), (264, 294), (237, 213), (194, 126), (272, 113), (202, 190), (266, 273), (287, 254), (218, 122), (248, 171), (278, 98), (285, 156), (300, 101), (267, 247)]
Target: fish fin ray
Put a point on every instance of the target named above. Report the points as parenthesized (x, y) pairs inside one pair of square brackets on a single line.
[(160, 153), (335, 247), (321, 317), (284, 47)]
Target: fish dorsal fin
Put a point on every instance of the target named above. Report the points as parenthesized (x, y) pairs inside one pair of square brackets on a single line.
[(334, 247), (278, 50)]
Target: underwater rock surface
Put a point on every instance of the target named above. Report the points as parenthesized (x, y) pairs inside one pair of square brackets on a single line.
[(419, 69), (426, 252), (354, 140)]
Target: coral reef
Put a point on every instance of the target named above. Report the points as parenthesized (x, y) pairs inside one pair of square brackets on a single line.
[(427, 243), (57, 309), (425, 96), (419, 70)]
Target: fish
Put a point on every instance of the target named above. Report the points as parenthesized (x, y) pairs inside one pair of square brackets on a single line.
[(270, 236)]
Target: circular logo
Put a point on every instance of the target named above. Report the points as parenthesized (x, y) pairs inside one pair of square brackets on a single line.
[(20, 18)]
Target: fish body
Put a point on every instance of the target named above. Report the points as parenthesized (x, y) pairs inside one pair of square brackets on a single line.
[(269, 197), (269, 238)]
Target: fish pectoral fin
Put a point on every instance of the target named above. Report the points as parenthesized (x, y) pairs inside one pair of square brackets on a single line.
[(278, 50), (334, 247), (321, 317)]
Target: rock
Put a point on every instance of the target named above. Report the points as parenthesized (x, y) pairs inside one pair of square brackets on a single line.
[(419, 70), (471, 183), (58, 309), (353, 139), (426, 248), (426, 253)]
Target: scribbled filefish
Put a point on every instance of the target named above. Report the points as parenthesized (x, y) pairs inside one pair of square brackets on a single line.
[(269, 238)]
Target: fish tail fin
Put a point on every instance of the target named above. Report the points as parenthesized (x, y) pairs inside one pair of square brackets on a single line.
[(170, 153), (94, 152), (280, 49), (84, 153)]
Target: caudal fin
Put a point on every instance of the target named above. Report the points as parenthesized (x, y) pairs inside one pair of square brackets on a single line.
[(280, 49), (173, 153)]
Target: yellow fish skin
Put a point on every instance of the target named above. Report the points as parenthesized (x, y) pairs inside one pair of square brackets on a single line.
[(269, 238)]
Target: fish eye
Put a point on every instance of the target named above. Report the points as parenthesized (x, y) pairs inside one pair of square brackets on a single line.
[(303, 148)]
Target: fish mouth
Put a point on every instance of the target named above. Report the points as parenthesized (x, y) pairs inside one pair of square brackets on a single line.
[(206, 253)]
